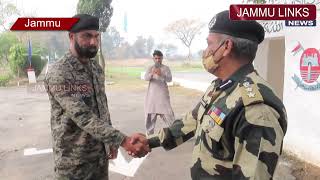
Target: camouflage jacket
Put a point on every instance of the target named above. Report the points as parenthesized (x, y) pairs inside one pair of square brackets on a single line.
[(239, 126), (80, 119)]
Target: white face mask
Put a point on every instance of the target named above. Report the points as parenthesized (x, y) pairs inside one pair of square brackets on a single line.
[(210, 63)]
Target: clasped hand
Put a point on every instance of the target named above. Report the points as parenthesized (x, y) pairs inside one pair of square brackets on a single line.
[(136, 145), (156, 71)]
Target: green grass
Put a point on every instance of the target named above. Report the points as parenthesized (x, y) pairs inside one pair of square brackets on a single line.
[(128, 77), (5, 75), (114, 71), (4, 79), (133, 72), (125, 78), (186, 67)]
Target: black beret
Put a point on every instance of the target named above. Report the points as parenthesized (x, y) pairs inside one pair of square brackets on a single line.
[(251, 30), (86, 22)]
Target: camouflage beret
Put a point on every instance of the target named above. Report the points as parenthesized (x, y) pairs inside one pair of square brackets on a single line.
[(250, 30), (86, 22)]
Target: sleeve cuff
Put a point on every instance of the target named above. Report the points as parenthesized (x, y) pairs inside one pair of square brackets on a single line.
[(154, 142), (118, 140)]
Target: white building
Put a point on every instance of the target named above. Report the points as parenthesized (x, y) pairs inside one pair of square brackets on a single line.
[(289, 59)]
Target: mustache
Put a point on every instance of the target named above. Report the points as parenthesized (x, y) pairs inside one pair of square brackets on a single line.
[(91, 48)]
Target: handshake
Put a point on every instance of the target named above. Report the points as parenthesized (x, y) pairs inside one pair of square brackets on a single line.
[(135, 145)]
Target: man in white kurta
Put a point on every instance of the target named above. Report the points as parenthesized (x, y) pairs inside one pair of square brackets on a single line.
[(157, 101)]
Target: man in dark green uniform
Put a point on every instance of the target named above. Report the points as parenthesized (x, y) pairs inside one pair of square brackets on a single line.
[(83, 136), (239, 123)]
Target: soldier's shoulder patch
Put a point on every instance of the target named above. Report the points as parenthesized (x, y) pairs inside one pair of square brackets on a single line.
[(250, 92)]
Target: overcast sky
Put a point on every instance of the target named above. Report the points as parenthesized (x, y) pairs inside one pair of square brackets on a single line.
[(145, 17)]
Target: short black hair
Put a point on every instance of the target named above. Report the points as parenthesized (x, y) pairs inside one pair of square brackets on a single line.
[(157, 53)]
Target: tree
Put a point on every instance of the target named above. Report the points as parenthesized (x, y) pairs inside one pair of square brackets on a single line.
[(7, 39), (57, 44), (185, 30), (111, 41), (101, 9), (16, 59), (150, 44), (168, 49), (7, 11), (124, 51), (52, 44), (200, 53), (37, 64), (139, 47)]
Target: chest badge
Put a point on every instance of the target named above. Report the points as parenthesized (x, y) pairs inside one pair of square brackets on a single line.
[(216, 114)]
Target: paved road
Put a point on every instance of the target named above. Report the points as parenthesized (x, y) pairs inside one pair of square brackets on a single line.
[(24, 123), (204, 76)]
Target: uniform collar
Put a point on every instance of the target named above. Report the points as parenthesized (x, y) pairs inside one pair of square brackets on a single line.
[(242, 72), (75, 62), (235, 77)]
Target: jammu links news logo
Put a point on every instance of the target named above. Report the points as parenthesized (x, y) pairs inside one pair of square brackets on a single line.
[(309, 68), (273, 12), (294, 15), (75, 90)]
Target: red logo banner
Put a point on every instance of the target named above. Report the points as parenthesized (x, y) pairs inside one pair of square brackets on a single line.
[(44, 24), (273, 12)]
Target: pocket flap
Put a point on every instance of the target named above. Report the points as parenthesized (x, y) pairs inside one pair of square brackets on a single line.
[(201, 111), (211, 128)]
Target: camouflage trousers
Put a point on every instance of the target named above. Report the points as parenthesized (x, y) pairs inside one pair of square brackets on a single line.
[(87, 171)]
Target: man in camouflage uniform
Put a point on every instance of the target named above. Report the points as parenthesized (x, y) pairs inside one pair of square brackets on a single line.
[(83, 137), (239, 123)]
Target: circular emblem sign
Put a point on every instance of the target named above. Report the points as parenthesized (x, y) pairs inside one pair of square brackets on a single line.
[(310, 65)]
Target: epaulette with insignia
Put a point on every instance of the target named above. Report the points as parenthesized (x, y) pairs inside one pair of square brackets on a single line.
[(250, 93)]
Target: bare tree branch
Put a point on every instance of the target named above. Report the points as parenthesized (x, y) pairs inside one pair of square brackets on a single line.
[(185, 30)]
